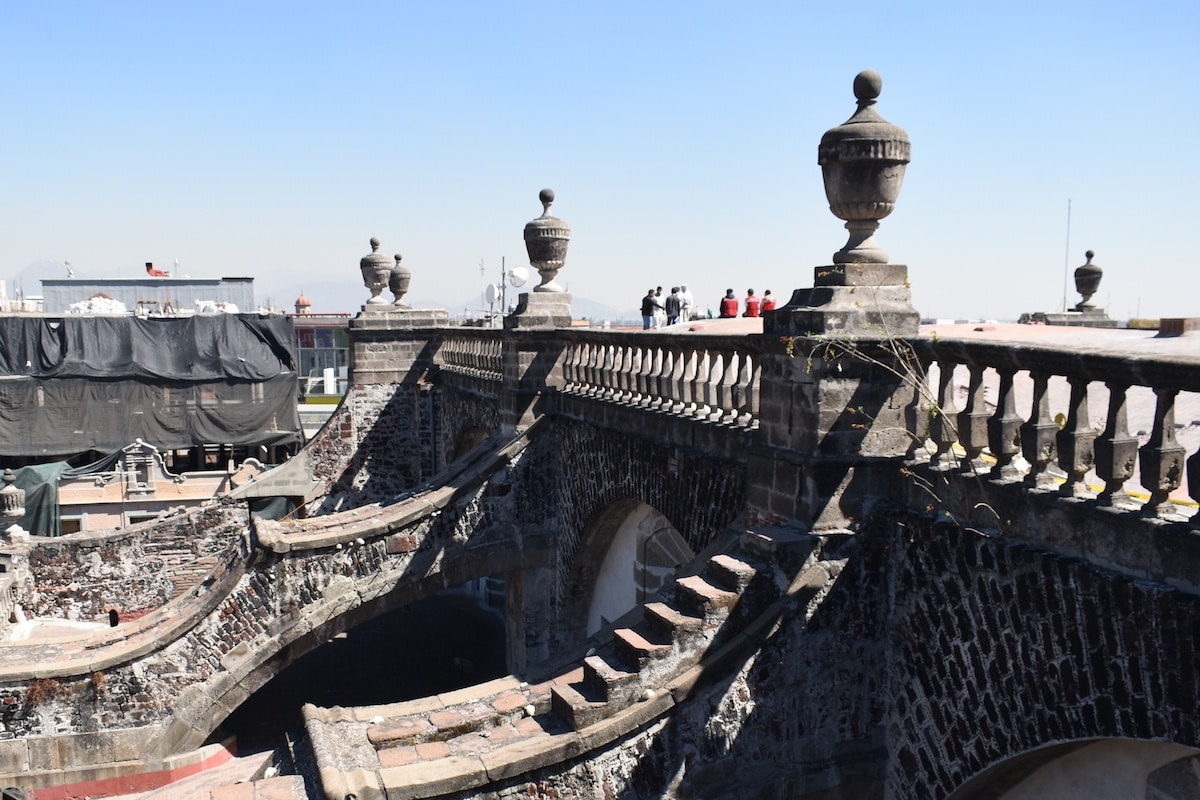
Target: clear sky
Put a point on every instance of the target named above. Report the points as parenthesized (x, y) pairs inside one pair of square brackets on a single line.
[(273, 139)]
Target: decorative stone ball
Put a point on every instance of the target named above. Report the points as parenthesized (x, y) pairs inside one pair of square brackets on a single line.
[(868, 84)]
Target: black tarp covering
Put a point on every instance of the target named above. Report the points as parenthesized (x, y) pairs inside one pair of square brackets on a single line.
[(200, 348), (99, 383)]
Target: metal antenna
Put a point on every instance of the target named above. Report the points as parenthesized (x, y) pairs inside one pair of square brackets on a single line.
[(1067, 255)]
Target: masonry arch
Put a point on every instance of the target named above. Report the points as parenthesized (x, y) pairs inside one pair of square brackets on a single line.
[(467, 440), (626, 555), (1091, 769)]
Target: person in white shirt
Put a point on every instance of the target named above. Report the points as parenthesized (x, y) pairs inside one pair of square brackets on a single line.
[(687, 301)]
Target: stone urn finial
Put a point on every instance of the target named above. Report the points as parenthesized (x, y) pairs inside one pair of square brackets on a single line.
[(12, 499), (546, 240), (376, 271), (398, 282), (862, 163), (1087, 281)]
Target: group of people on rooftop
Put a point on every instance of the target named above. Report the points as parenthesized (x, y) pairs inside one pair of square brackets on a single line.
[(676, 307), (755, 306), (679, 306)]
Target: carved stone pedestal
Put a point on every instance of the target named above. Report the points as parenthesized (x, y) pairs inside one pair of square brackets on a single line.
[(540, 310), (870, 300)]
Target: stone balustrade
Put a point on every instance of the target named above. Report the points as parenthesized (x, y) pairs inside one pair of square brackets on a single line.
[(476, 354), (706, 378), (1071, 423)]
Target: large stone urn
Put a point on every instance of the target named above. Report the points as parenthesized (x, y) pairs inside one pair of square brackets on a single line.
[(1087, 281), (546, 240), (376, 272), (862, 163), (398, 281)]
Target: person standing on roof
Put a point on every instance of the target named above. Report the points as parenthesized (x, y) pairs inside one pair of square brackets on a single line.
[(649, 306), (729, 304), (688, 303), (673, 304), (768, 303), (752, 304)]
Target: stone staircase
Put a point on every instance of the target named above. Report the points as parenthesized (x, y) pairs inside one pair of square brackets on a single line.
[(462, 740), (703, 613)]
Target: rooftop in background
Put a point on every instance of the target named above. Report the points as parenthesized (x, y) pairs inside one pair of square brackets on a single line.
[(155, 295)]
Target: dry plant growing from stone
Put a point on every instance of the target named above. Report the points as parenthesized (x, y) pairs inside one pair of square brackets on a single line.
[(895, 356), (42, 690)]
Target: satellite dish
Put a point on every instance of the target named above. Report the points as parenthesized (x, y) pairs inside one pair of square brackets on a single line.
[(491, 294), (518, 275)]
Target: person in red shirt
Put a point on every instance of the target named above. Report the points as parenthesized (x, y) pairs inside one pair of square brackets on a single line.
[(768, 303), (752, 304), (729, 304)]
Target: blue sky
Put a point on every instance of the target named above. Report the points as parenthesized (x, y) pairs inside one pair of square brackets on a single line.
[(274, 139)]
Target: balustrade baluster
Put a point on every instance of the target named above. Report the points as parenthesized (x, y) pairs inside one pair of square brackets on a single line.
[(570, 364), (645, 367), (700, 385), (941, 420), (688, 381), (1004, 429), (620, 372), (1038, 432), (973, 422), (497, 365), (1161, 458), (594, 363), (633, 364), (712, 386), (725, 390), (1076, 453), (608, 374), (1115, 450), (746, 391), (661, 368), (916, 413), (475, 349), (678, 367)]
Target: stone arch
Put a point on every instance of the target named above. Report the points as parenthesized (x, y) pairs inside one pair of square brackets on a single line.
[(332, 613), (626, 555), (468, 439), (1095, 769)]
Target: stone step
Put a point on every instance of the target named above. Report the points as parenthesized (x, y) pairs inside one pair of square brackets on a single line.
[(730, 573), (617, 685), (667, 622), (695, 595), (636, 648), (577, 705)]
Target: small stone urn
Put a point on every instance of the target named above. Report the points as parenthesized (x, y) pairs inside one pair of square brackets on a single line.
[(1087, 281), (862, 163), (546, 240), (376, 272), (398, 281)]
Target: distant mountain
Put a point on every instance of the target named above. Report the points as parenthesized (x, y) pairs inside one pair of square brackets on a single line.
[(29, 280)]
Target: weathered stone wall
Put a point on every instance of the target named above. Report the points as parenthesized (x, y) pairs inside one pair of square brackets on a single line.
[(999, 647), (459, 416), (582, 469), (84, 576), (390, 425)]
